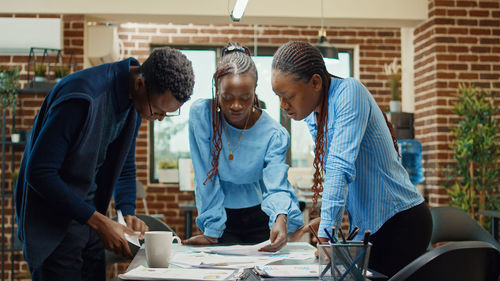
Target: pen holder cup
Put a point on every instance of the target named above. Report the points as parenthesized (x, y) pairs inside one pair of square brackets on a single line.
[(343, 262)]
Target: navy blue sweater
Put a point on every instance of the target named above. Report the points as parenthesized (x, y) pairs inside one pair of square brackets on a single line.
[(62, 178)]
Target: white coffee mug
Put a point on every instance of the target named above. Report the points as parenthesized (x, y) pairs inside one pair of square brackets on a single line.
[(159, 249)]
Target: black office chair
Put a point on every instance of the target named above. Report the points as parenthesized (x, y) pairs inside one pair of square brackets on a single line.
[(457, 261), (153, 224), (453, 224)]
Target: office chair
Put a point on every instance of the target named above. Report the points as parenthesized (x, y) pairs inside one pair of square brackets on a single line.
[(453, 224), (457, 261)]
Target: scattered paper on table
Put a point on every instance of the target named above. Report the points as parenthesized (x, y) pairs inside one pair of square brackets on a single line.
[(143, 273), (237, 250), (207, 260), (299, 270)]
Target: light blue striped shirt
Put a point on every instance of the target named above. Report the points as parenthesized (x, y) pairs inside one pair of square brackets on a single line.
[(363, 174), (257, 175)]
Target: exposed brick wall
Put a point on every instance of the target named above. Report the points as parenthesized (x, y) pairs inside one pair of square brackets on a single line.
[(26, 109), (459, 43), (377, 45)]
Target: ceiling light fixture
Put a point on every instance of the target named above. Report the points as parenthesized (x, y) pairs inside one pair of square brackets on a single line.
[(239, 10), (327, 50)]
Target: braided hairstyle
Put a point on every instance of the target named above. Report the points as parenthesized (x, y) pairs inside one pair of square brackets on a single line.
[(235, 60), (305, 60)]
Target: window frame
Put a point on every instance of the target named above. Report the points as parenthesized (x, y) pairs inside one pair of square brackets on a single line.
[(267, 50)]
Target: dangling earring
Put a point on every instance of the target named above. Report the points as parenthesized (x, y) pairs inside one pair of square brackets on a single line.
[(253, 108), (218, 108)]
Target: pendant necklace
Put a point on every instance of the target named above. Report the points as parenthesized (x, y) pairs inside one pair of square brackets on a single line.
[(231, 156)]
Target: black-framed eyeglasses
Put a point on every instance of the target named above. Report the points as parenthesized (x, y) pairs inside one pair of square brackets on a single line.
[(167, 114)]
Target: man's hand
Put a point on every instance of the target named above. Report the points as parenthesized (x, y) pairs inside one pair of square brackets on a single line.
[(200, 240), (112, 234), (278, 235), (136, 225)]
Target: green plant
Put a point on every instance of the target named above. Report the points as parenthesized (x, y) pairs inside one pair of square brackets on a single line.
[(393, 72), (9, 79), (60, 71), (168, 164), (14, 175), (40, 70), (475, 177)]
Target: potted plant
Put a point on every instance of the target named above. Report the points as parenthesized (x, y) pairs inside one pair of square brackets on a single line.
[(474, 180), (15, 136), (393, 72), (60, 71), (168, 171), (9, 79), (40, 72), (13, 176)]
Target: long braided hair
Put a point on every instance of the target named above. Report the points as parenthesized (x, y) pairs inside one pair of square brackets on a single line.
[(304, 60), (235, 60)]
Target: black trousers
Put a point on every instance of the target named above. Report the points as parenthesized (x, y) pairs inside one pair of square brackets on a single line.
[(245, 226), (79, 257), (401, 239)]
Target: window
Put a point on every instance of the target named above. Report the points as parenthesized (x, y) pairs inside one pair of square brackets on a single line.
[(301, 140), (169, 137)]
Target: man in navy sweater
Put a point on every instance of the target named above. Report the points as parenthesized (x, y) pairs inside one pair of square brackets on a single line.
[(81, 152)]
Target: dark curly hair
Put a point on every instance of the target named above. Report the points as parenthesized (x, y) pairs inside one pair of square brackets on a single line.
[(168, 69), (236, 59), (305, 60)]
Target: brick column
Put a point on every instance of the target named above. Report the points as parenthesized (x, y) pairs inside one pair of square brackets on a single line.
[(459, 43)]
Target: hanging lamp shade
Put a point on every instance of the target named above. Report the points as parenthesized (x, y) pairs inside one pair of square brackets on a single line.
[(327, 50)]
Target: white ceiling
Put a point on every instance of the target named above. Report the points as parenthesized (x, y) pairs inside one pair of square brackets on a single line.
[(389, 13)]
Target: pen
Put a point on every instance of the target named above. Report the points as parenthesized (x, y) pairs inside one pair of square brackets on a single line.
[(353, 263), (366, 238), (342, 235), (353, 233), (329, 236), (329, 265), (333, 234)]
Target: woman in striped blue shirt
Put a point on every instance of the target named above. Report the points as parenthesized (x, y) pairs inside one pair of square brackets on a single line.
[(356, 154)]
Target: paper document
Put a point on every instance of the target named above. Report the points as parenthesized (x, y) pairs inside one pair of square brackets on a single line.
[(298, 270), (132, 239), (143, 273), (207, 260), (238, 250)]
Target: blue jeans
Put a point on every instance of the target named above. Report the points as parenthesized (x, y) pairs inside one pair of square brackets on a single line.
[(80, 256)]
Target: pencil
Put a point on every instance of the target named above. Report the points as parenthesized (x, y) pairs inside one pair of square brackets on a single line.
[(314, 234), (353, 233), (366, 238)]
